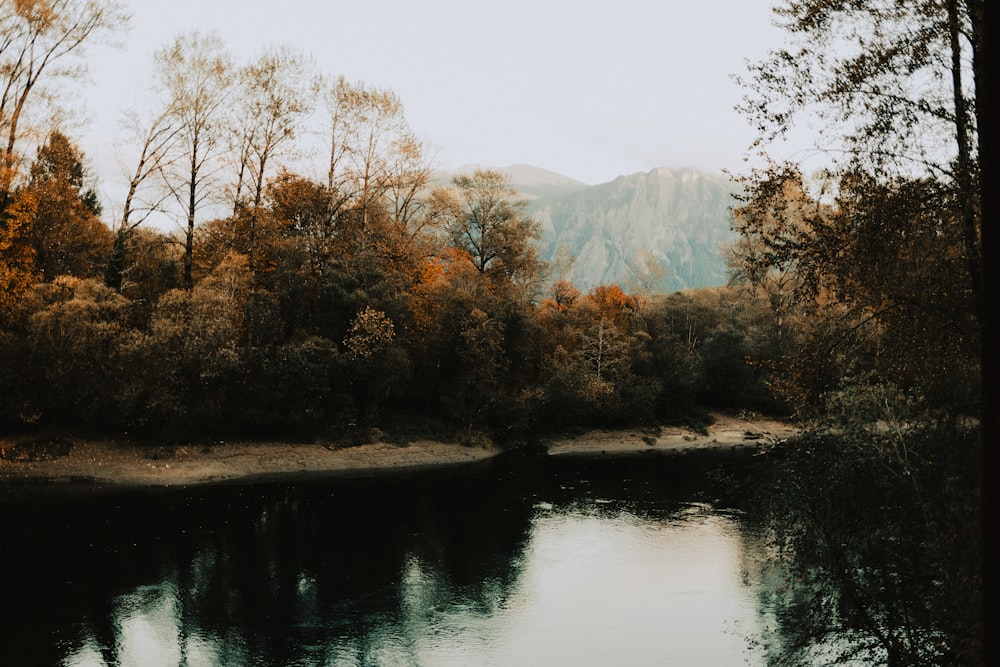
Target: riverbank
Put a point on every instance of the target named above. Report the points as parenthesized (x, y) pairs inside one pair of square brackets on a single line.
[(59, 459), (726, 432)]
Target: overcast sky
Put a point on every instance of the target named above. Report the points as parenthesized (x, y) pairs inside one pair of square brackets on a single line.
[(589, 89)]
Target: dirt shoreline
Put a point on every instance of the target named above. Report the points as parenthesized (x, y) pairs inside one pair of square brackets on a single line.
[(115, 463), (726, 432)]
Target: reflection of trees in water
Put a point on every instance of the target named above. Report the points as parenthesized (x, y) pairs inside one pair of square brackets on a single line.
[(369, 571), (272, 573), (868, 566), (330, 571)]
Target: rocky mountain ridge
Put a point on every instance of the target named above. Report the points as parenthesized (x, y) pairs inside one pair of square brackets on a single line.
[(662, 230)]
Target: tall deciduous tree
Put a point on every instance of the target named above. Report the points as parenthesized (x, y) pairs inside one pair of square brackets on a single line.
[(40, 41), (374, 156), (156, 137), (195, 72), (146, 195), (887, 265), (894, 87), (275, 94)]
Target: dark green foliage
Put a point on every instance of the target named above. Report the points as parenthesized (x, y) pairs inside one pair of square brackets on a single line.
[(296, 388), (727, 379), (874, 559)]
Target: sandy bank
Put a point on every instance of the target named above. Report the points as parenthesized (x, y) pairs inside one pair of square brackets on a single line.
[(114, 463), (726, 432), (107, 462)]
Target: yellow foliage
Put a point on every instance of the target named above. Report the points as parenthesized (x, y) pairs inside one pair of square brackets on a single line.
[(18, 272)]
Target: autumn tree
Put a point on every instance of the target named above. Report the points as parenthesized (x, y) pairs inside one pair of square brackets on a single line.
[(196, 343), (892, 87), (274, 96), (375, 363), (894, 90), (885, 250), (195, 73), (79, 348), (597, 356), (482, 215), (51, 225), (41, 44), (375, 158), (155, 135), (18, 271), (68, 236), (308, 213), (294, 238), (445, 290), (152, 266)]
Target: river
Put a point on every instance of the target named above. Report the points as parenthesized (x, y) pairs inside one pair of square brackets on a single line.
[(632, 561)]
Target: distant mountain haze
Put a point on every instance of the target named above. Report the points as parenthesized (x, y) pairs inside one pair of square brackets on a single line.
[(663, 230), (531, 182)]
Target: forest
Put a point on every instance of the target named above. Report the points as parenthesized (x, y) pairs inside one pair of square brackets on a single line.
[(296, 302), (285, 304)]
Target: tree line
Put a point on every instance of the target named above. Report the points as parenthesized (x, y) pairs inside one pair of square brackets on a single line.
[(389, 289), (322, 313), (287, 302)]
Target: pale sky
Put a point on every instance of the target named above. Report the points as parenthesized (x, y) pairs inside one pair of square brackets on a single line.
[(590, 89)]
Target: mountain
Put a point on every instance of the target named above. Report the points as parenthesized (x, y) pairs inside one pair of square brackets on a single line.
[(663, 230)]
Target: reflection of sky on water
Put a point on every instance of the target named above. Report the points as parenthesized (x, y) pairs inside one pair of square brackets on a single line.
[(591, 589), (600, 590), (512, 565), (151, 631)]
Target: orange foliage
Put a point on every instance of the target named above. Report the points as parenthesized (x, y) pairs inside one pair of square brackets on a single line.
[(17, 255), (611, 303), (441, 278), (563, 295)]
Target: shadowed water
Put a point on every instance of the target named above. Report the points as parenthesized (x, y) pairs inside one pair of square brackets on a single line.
[(627, 562)]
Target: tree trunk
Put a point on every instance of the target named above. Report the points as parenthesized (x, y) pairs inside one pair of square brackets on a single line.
[(189, 232), (968, 193)]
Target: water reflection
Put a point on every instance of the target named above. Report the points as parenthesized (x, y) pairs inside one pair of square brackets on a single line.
[(507, 564)]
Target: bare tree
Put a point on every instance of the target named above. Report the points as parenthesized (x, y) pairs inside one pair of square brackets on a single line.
[(410, 173), (373, 154), (157, 138), (197, 74), (35, 35), (276, 94)]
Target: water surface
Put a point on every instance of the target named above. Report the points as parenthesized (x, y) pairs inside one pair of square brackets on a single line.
[(512, 562)]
